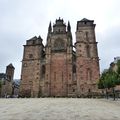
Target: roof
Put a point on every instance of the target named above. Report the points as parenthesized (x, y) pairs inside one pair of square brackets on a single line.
[(59, 22), (86, 20), (33, 38), (10, 65)]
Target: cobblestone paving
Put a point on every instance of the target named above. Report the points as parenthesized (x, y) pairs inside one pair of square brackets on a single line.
[(59, 109)]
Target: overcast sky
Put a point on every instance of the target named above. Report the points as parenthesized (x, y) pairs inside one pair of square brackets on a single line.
[(20, 20)]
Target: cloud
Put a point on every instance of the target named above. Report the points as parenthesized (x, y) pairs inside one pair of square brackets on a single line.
[(109, 41), (23, 19)]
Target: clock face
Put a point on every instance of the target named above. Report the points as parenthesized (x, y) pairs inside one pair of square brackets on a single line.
[(59, 44)]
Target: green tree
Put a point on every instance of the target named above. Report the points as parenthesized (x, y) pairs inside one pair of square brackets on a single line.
[(109, 79), (118, 72), (112, 81), (0, 84), (118, 67), (102, 84)]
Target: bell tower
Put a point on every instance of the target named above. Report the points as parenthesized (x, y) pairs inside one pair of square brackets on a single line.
[(31, 72), (10, 72), (87, 59)]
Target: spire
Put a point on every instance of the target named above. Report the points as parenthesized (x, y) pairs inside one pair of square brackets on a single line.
[(69, 33), (69, 27), (39, 37), (50, 28)]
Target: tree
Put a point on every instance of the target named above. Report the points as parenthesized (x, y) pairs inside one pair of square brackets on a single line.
[(102, 84), (118, 67), (0, 84), (109, 79), (118, 72), (112, 80)]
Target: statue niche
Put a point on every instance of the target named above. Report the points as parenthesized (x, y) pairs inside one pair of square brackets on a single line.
[(59, 45)]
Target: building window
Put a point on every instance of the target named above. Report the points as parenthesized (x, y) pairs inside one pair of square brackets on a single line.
[(73, 89), (89, 74), (37, 73), (74, 68), (86, 34), (81, 72), (69, 76), (89, 90), (43, 71), (54, 76), (62, 76), (30, 55), (80, 55), (59, 44), (47, 77), (33, 42), (46, 83), (82, 89), (25, 65), (88, 50), (81, 66), (81, 78)]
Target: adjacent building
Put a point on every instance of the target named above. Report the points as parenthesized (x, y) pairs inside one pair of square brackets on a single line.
[(114, 67), (2, 78), (7, 88)]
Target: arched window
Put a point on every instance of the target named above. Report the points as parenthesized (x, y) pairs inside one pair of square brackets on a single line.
[(88, 50), (86, 34), (89, 74), (89, 90), (59, 44), (74, 68), (30, 55), (54, 76), (43, 71)]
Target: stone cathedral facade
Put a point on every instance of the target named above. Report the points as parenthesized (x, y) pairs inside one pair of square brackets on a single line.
[(61, 68)]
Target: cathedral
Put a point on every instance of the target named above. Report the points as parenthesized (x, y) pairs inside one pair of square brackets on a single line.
[(61, 68)]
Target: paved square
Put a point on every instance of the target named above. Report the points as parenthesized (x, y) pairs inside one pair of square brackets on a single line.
[(59, 109)]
